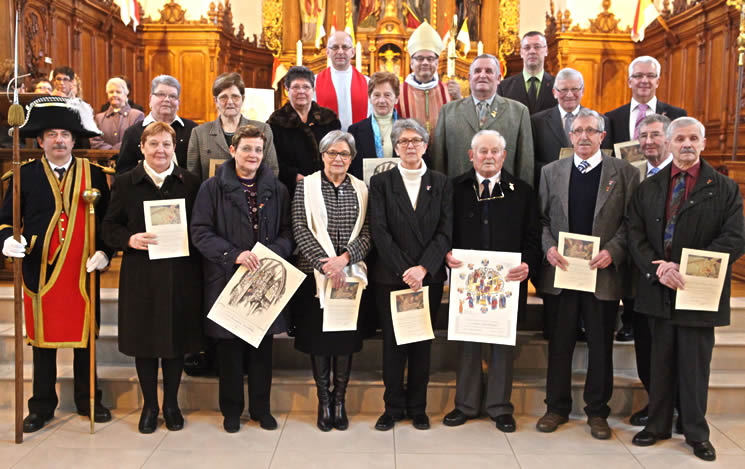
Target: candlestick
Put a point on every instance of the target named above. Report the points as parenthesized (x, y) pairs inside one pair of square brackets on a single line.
[(480, 48), (299, 52)]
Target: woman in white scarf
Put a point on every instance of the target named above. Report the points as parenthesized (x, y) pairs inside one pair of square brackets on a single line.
[(331, 230)]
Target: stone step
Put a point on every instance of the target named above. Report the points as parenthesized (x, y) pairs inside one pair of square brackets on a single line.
[(295, 390)]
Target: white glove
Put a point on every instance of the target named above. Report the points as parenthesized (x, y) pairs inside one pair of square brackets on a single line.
[(98, 261), (12, 248)]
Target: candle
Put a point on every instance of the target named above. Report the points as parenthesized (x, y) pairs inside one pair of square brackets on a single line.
[(451, 58), (480, 48), (358, 57), (299, 52)]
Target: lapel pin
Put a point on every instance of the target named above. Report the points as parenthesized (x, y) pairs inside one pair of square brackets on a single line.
[(429, 187), (261, 205), (494, 113), (708, 181), (512, 186)]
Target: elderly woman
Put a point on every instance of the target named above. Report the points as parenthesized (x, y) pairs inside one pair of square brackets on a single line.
[(160, 314), (411, 224), (373, 135), (243, 204), (117, 118), (298, 126), (331, 228), (210, 142)]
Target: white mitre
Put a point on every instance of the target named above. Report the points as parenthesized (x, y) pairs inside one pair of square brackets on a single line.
[(424, 38)]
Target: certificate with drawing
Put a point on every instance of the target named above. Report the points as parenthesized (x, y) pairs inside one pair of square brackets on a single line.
[(251, 301), (410, 316), (483, 305), (167, 220), (704, 273), (578, 250), (342, 306), (373, 166)]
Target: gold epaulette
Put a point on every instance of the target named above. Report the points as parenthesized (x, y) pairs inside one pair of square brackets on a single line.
[(105, 169), (8, 174)]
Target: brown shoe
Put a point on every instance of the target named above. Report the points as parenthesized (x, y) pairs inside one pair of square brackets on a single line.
[(550, 422), (599, 428)]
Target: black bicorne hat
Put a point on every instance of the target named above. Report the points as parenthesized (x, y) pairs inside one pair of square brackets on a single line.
[(55, 112)]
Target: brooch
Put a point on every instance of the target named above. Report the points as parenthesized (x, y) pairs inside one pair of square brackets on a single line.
[(494, 113), (708, 181), (429, 187), (512, 186)]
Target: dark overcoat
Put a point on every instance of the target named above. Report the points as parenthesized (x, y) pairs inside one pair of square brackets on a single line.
[(160, 313), (221, 229), (710, 219)]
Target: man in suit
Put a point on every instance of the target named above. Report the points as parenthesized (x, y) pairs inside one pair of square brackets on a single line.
[(341, 87), (460, 120), (479, 224), (56, 264), (644, 78), (533, 86), (686, 205), (165, 95), (586, 194), (423, 93)]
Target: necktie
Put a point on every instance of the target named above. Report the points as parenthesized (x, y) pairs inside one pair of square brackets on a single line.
[(640, 115), (532, 93), (676, 200), (485, 233), (60, 173), (583, 166), (483, 108), (568, 120), (653, 171)]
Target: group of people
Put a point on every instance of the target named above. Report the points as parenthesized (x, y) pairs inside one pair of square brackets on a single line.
[(483, 172)]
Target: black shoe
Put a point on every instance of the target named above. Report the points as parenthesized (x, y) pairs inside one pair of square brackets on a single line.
[(386, 421), (640, 418), (100, 413), (420, 422), (35, 422), (231, 423), (321, 366), (647, 438), (174, 419), (455, 418), (703, 450), (505, 423), (341, 422), (678, 427), (267, 422), (148, 420), (625, 333)]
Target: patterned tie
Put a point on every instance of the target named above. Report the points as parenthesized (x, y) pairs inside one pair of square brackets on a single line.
[(485, 233), (583, 166), (568, 120), (483, 108), (640, 115), (676, 200), (532, 94), (653, 171), (60, 173)]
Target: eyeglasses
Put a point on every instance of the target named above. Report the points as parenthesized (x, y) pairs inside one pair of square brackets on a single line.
[(564, 91), (336, 48), (639, 76), (405, 142), (163, 96), (345, 155), (589, 131), (494, 194), (223, 98), (534, 47), (62, 78), (420, 59), (299, 88)]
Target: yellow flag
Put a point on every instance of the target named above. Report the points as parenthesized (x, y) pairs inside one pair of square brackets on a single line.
[(349, 28), (463, 37)]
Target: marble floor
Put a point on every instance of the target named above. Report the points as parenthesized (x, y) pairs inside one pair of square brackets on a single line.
[(297, 443)]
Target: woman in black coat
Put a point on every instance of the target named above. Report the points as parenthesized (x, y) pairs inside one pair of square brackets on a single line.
[(411, 224), (244, 203), (159, 300), (330, 224), (298, 126)]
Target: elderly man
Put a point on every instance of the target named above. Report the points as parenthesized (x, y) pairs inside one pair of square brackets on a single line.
[(55, 263), (486, 195), (586, 194), (533, 86), (165, 93), (686, 205), (341, 87), (423, 94), (460, 120)]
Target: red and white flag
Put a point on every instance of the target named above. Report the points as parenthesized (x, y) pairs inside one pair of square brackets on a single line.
[(278, 72), (129, 12), (646, 13)]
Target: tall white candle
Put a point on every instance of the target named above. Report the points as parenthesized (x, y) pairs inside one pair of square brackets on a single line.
[(299, 52), (480, 48)]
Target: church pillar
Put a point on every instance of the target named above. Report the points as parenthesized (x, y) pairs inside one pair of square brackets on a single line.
[(489, 27), (290, 25)]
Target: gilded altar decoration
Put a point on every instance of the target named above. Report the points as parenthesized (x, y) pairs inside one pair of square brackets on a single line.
[(311, 13), (272, 25), (509, 27), (605, 22)]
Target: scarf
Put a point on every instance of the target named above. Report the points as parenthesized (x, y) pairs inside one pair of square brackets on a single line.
[(376, 132)]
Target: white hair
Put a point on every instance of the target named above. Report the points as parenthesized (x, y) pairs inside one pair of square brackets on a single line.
[(685, 122), (494, 133), (569, 74), (645, 59), (119, 82)]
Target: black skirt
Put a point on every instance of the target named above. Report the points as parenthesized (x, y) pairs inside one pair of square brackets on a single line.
[(308, 319)]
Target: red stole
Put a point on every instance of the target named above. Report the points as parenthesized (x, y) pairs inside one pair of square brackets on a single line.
[(57, 315), (326, 94)]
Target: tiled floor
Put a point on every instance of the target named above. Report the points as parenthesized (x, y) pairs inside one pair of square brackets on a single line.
[(66, 442)]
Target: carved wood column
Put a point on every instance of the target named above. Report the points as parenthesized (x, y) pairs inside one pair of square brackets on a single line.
[(489, 27), (290, 24)]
